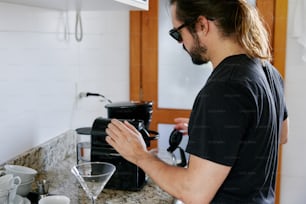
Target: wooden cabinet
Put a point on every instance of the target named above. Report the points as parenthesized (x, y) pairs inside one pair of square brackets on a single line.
[(84, 4)]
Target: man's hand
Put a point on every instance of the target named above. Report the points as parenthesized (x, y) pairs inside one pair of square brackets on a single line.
[(181, 124), (126, 140)]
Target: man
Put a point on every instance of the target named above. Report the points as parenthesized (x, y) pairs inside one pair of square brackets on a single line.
[(238, 119)]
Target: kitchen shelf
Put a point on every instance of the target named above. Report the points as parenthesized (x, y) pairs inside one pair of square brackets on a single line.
[(84, 5)]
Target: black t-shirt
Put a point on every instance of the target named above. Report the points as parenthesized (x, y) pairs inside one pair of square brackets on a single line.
[(235, 121)]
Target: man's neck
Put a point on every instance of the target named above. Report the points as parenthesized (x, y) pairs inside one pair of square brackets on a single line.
[(225, 49)]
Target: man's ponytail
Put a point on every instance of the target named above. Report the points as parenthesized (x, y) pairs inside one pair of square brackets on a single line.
[(252, 34)]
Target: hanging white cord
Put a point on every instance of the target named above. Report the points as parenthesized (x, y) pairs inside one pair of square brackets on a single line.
[(78, 23)]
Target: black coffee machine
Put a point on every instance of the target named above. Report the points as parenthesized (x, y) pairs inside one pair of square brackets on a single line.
[(141, 110), (127, 175)]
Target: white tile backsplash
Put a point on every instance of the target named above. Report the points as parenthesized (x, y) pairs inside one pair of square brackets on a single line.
[(43, 69)]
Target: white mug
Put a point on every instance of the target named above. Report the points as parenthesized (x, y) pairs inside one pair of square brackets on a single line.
[(55, 199), (7, 181), (4, 196), (12, 193), (7, 196), (4, 200)]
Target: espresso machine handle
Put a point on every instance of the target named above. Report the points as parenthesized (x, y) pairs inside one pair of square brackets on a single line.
[(146, 135)]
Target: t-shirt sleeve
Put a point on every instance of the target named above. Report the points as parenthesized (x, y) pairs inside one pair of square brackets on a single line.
[(219, 119)]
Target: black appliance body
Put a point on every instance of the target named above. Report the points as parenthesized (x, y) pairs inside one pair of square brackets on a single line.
[(141, 110), (127, 175)]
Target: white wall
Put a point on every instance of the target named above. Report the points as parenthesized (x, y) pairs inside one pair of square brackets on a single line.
[(41, 72), (293, 176)]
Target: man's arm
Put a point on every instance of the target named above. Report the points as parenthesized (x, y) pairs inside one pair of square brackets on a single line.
[(284, 131), (197, 184)]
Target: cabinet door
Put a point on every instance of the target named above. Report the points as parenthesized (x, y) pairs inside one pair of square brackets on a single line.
[(86, 5), (172, 91)]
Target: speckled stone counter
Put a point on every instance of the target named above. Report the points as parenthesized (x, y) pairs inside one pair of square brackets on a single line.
[(63, 182), (54, 159)]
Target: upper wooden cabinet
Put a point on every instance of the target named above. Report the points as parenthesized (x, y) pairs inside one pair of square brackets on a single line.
[(84, 4)]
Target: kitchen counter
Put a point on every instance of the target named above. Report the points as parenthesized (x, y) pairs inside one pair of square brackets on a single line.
[(54, 159), (63, 182)]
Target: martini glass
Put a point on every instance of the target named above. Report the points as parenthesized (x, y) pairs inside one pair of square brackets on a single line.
[(93, 176)]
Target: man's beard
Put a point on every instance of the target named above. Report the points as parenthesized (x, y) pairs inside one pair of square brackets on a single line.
[(196, 53)]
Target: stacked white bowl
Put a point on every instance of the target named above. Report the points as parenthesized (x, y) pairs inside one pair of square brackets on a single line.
[(26, 174)]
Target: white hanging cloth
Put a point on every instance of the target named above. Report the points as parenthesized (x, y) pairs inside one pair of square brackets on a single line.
[(299, 25)]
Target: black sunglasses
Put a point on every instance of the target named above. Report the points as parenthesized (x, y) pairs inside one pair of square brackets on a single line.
[(174, 32)]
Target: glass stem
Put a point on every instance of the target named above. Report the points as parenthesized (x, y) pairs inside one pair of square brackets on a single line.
[(93, 201)]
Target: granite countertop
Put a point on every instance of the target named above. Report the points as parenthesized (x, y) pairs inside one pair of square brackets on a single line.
[(63, 182), (54, 159)]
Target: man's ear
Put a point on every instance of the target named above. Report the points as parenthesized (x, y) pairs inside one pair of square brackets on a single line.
[(202, 24)]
